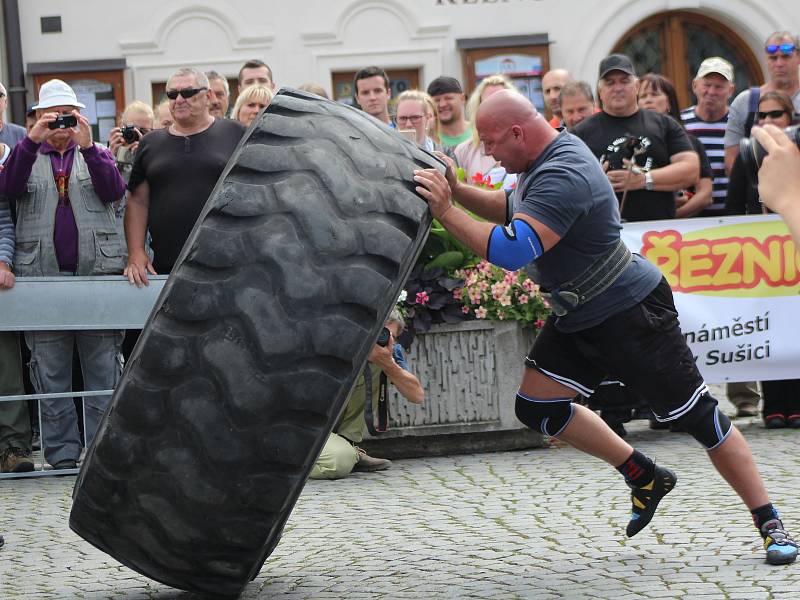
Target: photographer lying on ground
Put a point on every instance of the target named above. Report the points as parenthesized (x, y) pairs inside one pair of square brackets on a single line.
[(340, 455), (779, 176)]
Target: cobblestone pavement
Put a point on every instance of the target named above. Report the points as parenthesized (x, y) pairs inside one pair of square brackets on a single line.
[(546, 523)]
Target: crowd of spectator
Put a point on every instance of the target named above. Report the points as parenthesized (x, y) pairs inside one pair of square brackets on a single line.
[(70, 205)]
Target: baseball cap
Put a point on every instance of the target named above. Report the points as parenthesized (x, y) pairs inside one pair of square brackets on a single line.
[(444, 85), (57, 93), (616, 62), (715, 64)]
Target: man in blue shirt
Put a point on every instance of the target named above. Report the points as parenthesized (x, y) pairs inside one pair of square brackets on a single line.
[(10, 133), (613, 312)]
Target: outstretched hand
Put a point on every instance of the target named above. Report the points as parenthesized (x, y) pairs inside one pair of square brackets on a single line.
[(435, 189)]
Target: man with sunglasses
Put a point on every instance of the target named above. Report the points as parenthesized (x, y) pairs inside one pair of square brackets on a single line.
[(174, 171), (782, 50)]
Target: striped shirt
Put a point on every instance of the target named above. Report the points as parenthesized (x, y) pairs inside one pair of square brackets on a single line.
[(712, 135)]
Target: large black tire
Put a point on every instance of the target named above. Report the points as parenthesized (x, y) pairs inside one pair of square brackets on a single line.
[(253, 346)]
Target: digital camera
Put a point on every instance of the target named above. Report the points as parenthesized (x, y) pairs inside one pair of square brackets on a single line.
[(129, 134), (63, 122), (624, 148), (753, 153)]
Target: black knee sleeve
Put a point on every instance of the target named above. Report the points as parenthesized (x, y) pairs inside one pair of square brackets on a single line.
[(548, 415), (706, 422)]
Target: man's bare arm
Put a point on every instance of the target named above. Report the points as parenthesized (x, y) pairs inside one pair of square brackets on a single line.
[(136, 213)]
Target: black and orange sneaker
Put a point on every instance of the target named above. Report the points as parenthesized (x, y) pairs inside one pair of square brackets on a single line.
[(645, 499)]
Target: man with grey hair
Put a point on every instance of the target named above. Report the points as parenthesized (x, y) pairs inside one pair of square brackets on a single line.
[(577, 102), (173, 174), (341, 455), (782, 52), (64, 187), (221, 95), (10, 133)]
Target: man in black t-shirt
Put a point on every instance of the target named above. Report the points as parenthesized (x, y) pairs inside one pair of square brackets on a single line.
[(666, 161), (174, 172)]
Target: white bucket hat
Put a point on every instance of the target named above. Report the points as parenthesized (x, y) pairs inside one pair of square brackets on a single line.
[(57, 93)]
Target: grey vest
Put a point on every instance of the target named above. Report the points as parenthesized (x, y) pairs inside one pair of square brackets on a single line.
[(100, 245)]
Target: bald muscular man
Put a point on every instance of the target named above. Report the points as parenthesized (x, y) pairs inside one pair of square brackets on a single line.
[(613, 312)]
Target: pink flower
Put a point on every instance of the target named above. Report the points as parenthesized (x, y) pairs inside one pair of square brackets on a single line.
[(474, 297), (483, 286), (480, 313), (524, 299), (499, 289), (504, 300), (465, 310), (500, 315), (422, 298), (510, 277), (457, 293), (539, 323)]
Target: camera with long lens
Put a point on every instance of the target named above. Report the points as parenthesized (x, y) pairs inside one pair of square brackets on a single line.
[(753, 153), (624, 148), (129, 134)]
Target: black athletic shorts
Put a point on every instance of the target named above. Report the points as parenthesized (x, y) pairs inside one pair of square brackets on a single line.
[(643, 347)]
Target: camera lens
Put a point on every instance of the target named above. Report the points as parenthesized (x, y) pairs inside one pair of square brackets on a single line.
[(129, 134), (753, 153)]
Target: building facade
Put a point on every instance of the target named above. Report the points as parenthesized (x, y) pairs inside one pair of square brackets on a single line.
[(115, 52)]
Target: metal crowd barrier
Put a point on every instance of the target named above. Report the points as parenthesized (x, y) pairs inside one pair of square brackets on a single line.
[(73, 304)]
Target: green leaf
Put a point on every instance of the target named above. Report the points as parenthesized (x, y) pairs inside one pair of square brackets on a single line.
[(447, 260)]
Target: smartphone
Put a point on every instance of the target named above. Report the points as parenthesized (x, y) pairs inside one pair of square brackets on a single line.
[(63, 122), (409, 134), (383, 337)]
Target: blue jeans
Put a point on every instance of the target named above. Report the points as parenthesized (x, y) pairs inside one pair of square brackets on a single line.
[(51, 372)]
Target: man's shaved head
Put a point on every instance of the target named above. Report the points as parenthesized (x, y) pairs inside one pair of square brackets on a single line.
[(512, 130), (504, 109)]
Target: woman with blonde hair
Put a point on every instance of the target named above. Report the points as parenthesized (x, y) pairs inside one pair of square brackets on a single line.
[(469, 153), (250, 102), (416, 110)]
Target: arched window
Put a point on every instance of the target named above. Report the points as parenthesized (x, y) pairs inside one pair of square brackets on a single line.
[(675, 43)]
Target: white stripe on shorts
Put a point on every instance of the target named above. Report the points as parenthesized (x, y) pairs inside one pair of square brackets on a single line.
[(682, 410), (570, 383)]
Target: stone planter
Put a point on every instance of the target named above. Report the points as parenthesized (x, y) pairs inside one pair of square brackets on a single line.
[(471, 372)]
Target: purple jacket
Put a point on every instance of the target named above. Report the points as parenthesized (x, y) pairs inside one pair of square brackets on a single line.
[(106, 180)]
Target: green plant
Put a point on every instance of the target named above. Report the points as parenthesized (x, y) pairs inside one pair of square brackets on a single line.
[(430, 297)]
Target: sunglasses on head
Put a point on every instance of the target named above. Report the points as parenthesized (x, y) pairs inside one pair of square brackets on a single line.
[(772, 114), (187, 93), (785, 49)]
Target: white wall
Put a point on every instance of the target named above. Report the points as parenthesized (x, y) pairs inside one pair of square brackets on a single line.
[(305, 40)]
